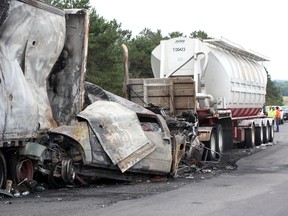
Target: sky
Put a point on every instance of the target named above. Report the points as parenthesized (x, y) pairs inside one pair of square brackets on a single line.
[(257, 25)]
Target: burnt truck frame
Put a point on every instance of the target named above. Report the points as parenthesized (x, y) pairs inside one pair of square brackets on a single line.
[(56, 125)]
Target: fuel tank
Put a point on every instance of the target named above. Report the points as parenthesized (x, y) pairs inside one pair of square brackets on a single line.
[(234, 77)]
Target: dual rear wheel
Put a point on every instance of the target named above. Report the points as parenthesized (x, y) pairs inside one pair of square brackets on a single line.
[(215, 146), (17, 168), (255, 136), (264, 134)]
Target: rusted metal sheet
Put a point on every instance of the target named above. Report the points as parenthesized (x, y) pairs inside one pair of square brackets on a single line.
[(119, 131), (179, 150)]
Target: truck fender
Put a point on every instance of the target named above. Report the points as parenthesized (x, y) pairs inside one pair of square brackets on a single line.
[(80, 134)]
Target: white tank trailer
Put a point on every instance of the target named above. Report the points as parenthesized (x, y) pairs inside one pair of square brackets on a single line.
[(230, 88), (229, 75)]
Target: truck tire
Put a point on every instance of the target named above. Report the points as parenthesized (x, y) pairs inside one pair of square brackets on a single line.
[(210, 153), (250, 137), (220, 140), (259, 135), (3, 170), (271, 133), (266, 134)]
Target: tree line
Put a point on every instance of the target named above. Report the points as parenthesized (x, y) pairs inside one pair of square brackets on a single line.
[(105, 64), (282, 85)]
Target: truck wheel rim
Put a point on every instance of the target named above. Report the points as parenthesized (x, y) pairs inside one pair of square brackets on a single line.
[(24, 169)]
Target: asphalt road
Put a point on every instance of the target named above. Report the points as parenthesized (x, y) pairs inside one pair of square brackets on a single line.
[(258, 187)]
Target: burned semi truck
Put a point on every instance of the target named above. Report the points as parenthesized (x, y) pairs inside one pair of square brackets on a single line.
[(45, 129), (221, 82)]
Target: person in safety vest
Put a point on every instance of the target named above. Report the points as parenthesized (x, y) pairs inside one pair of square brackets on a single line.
[(278, 118), (271, 112)]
